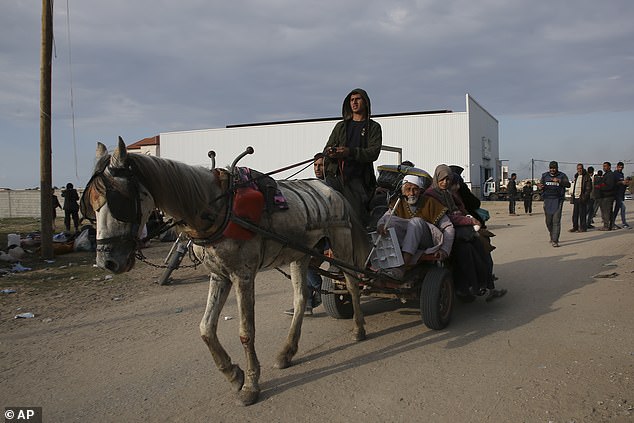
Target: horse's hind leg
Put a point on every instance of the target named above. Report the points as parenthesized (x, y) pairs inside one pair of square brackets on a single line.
[(300, 292), (245, 296), (219, 289)]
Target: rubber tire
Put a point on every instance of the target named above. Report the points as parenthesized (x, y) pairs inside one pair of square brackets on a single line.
[(537, 197), (172, 265), (338, 306), (437, 298), (493, 197)]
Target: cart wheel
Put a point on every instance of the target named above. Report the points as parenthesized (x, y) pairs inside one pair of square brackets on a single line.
[(338, 306), (436, 298), (493, 197), (536, 197)]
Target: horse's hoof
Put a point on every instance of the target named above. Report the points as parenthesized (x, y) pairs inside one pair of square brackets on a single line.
[(360, 335), (282, 362), (238, 380), (246, 397)]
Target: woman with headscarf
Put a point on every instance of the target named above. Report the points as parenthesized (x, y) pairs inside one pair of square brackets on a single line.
[(472, 264)]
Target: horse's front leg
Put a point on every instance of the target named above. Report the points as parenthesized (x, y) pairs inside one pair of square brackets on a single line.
[(219, 288), (245, 296), (359, 322), (300, 293)]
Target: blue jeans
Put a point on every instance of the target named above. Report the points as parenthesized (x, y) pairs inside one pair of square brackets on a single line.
[(313, 280), (619, 206)]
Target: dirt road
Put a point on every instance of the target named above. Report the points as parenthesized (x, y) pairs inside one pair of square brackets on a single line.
[(557, 348)]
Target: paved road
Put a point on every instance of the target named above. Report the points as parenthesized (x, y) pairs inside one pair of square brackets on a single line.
[(557, 348)]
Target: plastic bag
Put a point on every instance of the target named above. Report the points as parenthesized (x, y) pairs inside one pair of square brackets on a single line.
[(82, 242)]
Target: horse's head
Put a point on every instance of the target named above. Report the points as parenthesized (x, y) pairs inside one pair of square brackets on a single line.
[(120, 205)]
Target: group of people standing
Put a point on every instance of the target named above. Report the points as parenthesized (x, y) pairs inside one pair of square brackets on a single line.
[(589, 193)]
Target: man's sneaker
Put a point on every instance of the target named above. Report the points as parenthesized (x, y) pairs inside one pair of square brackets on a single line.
[(626, 226), (616, 227), (555, 244), (573, 230)]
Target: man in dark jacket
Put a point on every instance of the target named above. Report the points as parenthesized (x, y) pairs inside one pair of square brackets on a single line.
[(511, 190), (607, 191), (590, 204), (71, 207), (619, 196), (527, 195), (580, 196), (353, 146), (554, 184)]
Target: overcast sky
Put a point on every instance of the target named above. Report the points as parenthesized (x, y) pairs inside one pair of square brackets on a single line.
[(558, 75)]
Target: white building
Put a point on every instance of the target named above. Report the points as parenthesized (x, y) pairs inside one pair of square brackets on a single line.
[(468, 139)]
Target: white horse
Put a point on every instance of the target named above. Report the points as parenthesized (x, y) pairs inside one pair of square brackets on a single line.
[(126, 187)]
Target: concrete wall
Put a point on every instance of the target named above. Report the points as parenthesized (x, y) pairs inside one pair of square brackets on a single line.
[(25, 203)]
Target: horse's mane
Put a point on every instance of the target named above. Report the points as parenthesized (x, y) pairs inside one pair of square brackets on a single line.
[(182, 191), (175, 185)]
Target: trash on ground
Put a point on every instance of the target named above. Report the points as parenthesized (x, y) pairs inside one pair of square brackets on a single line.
[(19, 268), (7, 257), (16, 252), (107, 277), (24, 316), (13, 240), (228, 317), (607, 275), (8, 291), (178, 310)]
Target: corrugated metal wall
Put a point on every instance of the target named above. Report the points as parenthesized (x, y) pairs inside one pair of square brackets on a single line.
[(425, 139)]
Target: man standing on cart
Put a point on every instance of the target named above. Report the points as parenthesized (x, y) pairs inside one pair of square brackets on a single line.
[(353, 146)]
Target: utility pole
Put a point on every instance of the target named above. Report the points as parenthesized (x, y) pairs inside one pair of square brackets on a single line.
[(46, 192), (532, 170)]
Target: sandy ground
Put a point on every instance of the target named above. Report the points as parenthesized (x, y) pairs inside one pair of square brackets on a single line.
[(557, 348)]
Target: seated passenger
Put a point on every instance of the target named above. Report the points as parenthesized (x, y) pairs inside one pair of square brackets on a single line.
[(472, 264), (421, 223)]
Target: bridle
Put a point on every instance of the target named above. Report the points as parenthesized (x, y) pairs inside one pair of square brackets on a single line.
[(125, 206)]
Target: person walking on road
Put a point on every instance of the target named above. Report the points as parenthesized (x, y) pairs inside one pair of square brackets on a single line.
[(511, 190), (619, 198), (554, 184), (527, 195)]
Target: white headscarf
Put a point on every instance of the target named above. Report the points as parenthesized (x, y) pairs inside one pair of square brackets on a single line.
[(413, 179)]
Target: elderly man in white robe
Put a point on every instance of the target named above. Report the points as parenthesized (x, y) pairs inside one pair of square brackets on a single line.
[(421, 224)]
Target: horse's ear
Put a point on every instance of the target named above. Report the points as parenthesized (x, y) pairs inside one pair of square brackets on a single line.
[(101, 150), (120, 155)]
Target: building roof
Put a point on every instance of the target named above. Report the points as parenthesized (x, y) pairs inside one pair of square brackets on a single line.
[(155, 140)]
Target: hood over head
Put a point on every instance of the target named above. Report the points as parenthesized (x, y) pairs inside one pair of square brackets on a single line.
[(442, 171), (346, 110)]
